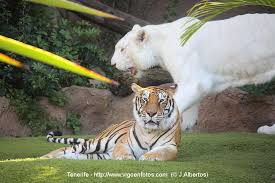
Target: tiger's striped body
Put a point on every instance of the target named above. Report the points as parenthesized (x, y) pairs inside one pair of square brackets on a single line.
[(154, 135)]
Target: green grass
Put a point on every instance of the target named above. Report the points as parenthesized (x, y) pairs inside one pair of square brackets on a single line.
[(226, 157)]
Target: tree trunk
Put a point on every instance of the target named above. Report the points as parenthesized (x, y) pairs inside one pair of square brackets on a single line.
[(121, 27)]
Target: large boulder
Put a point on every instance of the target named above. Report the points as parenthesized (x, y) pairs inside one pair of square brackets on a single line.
[(9, 123), (235, 110), (98, 108)]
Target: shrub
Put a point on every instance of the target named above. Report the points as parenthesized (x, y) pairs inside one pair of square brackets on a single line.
[(44, 27), (73, 121)]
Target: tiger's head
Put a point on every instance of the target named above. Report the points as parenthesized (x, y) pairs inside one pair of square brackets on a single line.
[(154, 107), (136, 51)]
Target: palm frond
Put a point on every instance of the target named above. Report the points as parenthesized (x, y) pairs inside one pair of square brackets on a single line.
[(74, 7), (8, 60), (46, 57), (207, 10)]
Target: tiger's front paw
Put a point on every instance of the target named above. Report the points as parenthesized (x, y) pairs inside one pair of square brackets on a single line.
[(149, 157), (125, 157)]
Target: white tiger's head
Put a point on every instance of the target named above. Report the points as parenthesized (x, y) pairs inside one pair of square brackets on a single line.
[(154, 107), (135, 51)]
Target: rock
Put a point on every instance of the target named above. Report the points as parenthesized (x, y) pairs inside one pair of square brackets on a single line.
[(98, 108), (235, 110), (155, 77), (151, 77), (56, 113), (9, 122)]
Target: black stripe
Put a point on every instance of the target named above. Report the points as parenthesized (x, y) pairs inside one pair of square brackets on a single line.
[(168, 141), (135, 136), (107, 143), (120, 137), (136, 103), (115, 132), (173, 106), (132, 151), (59, 140), (119, 125), (97, 146), (151, 146), (99, 156), (65, 140), (84, 148)]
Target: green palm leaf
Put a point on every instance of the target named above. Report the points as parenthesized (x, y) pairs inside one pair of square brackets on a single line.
[(8, 60), (47, 58), (74, 7), (207, 10)]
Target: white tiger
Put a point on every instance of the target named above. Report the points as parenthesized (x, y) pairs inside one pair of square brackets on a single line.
[(222, 54)]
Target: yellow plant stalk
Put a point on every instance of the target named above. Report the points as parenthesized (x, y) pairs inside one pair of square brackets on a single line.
[(8, 60), (75, 7), (46, 57)]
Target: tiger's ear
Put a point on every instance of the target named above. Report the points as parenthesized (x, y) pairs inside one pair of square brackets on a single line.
[(141, 36), (136, 87), (136, 27), (172, 88)]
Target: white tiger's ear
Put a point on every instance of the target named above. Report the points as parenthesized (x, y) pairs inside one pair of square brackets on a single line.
[(141, 35), (136, 87), (136, 27)]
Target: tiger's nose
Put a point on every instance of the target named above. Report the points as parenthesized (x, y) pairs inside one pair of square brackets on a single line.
[(151, 113)]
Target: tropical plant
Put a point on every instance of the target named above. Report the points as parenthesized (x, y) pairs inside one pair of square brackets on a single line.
[(41, 55), (207, 10), (44, 27)]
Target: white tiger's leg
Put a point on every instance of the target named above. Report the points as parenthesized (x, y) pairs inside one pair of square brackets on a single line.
[(190, 117), (188, 98), (270, 130)]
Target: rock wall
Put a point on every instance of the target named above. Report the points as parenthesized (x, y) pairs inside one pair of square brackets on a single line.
[(9, 123), (231, 110)]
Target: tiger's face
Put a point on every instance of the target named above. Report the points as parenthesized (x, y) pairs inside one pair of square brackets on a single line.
[(154, 108)]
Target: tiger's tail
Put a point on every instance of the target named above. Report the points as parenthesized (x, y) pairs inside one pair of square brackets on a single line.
[(62, 140)]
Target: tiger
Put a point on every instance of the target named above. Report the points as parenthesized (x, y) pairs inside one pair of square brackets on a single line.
[(153, 135)]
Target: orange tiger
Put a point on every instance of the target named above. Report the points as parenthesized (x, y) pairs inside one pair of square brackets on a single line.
[(154, 135)]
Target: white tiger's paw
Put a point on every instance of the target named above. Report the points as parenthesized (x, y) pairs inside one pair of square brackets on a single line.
[(125, 157), (149, 158)]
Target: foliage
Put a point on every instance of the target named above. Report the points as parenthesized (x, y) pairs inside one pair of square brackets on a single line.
[(34, 116), (44, 56), (261, 89), (45, 28), (207, 10), (75, 7), (170, 13), (226, 157), (73, 121), (59, 98)]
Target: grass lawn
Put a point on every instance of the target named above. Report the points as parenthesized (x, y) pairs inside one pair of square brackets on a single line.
[(226, 157)]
